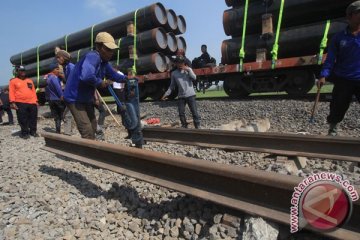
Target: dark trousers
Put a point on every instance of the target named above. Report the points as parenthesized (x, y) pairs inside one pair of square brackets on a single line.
[(9, 113), (136, 133), (191, 102), (57, 108), (120, 93), (84, 116), (342, 94), (27, 118), (102, 113)]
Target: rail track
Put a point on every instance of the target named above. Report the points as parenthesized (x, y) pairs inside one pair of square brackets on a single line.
[(255, 192), (324, 97), (338, 148)]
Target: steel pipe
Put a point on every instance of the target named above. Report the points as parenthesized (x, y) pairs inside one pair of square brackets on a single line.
[(293, 42), (296, 12), (154, 63), (172, 43), (181, 43), (147, 18), (181, 25), (153, 40), (171, 24)]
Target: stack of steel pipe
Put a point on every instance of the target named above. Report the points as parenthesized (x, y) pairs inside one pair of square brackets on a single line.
[(154, 24), (302, 27)]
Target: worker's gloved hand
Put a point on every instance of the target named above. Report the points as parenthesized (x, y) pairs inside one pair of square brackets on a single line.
[(105, 83), (97, 102), (320, 82), (122, 108)]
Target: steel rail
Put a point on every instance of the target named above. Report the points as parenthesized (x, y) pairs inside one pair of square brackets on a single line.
[(255, 192), (339, 148)]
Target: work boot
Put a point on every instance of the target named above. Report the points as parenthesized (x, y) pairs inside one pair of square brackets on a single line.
[(197, 125), (100, 135), (58, 125), (129, 135), (35, 135), (24, 136), (184, 124), (332, 130)]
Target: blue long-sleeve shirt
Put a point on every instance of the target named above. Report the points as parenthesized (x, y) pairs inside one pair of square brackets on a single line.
[(68, 69), (53, 87), (88, 74), (343, 57)]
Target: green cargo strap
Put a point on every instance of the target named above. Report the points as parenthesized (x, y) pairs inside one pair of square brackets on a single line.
[(78, 55), (66, 44), (275, 49), (135, 48), (324, 42), (92, 37), (242, 51), (118, 52), (38, 68)]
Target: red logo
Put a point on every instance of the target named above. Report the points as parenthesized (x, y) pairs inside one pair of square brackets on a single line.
[(325, 206)]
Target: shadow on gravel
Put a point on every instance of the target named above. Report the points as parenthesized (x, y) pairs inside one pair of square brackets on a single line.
[(166, 104), (137, 205), (142, 207)]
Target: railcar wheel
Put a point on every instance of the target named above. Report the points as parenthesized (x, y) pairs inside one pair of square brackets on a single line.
[(233, 88), (142, 92), (156, 90), (299, 82)]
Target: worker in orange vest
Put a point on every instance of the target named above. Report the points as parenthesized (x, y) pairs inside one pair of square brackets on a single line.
[(23, 99)]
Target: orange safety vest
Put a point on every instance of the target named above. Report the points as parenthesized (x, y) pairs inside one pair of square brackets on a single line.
[(22, 91)]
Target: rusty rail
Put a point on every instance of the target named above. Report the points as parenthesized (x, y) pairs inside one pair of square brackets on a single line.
[(255, 192), (339, 148)]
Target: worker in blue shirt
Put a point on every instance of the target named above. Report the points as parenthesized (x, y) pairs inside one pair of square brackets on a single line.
[(88, 74), (133, 109), (342, 67), (55, 94), (64, 59)]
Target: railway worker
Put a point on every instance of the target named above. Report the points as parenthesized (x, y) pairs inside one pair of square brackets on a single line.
[(342, 67), (63, 58), (133, 110), (204, 58), (22, 97), (55, 95), (119, 90), (181, 52), (5, 105), (87, 75), (182, 78)]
